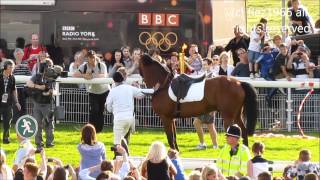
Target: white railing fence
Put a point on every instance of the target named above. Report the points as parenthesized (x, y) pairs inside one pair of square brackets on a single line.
[(281, 117)]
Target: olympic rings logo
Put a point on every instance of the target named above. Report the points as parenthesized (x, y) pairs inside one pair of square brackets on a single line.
[(163, 41)]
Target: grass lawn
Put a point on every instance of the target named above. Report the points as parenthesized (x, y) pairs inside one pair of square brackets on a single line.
[(271, 8), (68, 136)]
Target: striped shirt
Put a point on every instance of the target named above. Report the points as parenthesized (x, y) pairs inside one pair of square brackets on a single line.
[(21, 69), (196, 64)]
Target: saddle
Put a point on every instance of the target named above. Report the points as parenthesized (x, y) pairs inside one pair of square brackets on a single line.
[(181, 84)]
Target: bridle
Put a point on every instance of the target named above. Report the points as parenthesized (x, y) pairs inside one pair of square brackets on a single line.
[(164, 84)]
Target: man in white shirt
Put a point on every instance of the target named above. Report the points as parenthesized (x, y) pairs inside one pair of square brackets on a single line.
[(121, 103), (97, 92)]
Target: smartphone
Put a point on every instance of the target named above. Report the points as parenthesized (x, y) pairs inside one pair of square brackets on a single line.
[(50, 160)]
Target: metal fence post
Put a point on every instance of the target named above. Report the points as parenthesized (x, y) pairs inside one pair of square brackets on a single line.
[(57, 88), (289, 110)]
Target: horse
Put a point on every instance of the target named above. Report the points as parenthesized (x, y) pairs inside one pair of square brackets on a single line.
[(232, 98)]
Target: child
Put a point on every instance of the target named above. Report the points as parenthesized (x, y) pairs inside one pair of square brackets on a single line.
[(303, 166), (174, 157), (254, 49), (257, 164), (266, 60)]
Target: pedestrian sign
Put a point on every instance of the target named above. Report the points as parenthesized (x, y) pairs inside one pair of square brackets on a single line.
[(26, 126)]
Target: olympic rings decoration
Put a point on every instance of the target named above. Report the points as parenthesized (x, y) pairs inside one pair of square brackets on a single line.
[(163, 41)]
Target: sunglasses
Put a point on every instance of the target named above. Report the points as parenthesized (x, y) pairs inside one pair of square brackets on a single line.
[(241, 53), (215, 59)]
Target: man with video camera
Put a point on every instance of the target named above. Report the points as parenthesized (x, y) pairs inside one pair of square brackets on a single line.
[(40, 88)]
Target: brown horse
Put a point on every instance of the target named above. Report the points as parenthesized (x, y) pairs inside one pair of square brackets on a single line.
[(229, 96)]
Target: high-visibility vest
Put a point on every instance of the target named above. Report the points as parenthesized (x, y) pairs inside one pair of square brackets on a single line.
[(230, 165)]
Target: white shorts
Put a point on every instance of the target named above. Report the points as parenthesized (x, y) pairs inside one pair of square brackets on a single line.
[(121, 128)]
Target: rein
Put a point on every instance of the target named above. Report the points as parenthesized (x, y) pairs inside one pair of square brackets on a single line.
[(164, 84)]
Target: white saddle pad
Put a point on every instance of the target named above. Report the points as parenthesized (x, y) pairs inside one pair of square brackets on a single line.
[(195, 93)]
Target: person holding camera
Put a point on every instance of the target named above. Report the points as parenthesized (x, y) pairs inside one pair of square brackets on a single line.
[(105, 169), (40, 89), (300, 64), (61, 172), (23, 152), (121, 163), (29, 170), (97, 92), (9, 97), (33, 50), (195, 60)]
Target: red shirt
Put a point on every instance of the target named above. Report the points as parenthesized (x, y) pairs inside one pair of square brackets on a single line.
[(28, 51)]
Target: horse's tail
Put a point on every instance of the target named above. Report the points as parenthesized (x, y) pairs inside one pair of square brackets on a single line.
[(250, 106)]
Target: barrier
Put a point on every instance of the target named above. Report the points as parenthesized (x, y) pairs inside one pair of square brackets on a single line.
[(282, 117)]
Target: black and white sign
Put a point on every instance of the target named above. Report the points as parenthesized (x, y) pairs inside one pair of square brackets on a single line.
[(78, 33)]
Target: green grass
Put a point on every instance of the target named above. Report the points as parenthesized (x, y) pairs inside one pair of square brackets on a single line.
[(259, 8), (68, 136)]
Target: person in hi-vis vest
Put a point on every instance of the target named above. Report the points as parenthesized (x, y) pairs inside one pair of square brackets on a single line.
[(233, 157)]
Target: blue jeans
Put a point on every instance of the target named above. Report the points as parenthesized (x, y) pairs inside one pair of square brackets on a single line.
[(271, 91)]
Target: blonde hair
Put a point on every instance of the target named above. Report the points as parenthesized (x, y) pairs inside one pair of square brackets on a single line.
[(3, 159), (224, 54), (195, 175), (16, 51), (209, 170), (157, 152)]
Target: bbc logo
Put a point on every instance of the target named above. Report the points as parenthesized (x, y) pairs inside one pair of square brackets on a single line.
[(158, 19), (68, 28)]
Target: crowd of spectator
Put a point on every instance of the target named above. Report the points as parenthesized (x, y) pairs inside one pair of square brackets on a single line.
[(233, 163)]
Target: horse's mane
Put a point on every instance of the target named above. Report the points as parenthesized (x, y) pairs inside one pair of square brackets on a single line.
[(148, 60)]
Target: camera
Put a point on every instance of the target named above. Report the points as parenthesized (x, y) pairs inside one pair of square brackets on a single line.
[(113, 148), (38, 150), (50, 160), (66, 166)]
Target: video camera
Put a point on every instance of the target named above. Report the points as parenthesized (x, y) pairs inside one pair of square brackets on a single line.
[(114, 148), (50, 72)]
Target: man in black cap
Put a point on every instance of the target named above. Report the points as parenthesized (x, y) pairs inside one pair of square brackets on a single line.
[(233, 157)]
